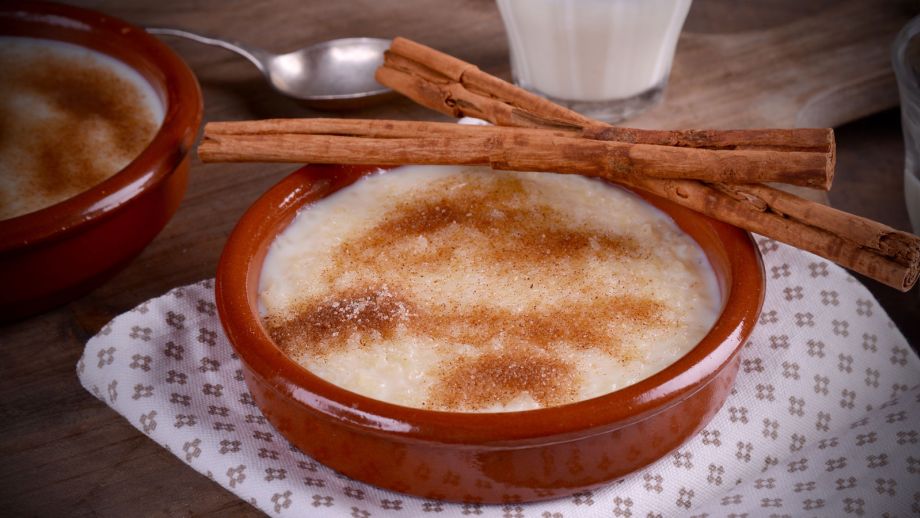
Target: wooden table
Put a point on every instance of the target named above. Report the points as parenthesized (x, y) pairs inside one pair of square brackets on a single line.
[(66, 454)]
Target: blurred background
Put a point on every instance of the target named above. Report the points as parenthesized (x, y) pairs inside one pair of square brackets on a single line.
[(738, 64)]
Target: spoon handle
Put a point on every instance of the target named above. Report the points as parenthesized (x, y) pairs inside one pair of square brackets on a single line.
[(257, 56)]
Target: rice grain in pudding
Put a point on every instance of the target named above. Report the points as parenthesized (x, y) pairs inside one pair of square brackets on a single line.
[(70, 117), (464, 289)]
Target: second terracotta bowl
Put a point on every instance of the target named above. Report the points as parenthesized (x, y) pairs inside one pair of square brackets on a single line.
[(58, 253), (497, 457)]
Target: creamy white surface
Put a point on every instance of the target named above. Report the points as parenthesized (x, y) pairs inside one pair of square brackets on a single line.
[(403, 370), (31, 111), (592, 50)]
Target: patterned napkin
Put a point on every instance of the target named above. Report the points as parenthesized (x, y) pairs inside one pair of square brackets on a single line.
[(824, 419)]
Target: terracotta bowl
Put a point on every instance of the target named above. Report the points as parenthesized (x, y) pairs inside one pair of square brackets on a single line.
[(56, 254), (498, 457)]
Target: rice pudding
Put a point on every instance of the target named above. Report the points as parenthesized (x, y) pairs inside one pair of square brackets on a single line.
[(464, 289), (70, 117)]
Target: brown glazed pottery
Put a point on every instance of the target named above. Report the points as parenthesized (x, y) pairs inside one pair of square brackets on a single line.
[(490, 458), (56, 254)]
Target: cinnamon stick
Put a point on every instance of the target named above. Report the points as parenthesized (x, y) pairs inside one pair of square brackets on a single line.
[(457, 88), (350, 141), (453, 87)]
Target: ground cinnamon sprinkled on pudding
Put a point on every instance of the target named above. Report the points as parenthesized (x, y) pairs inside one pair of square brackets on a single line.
[(318, 327), (69, 119), (512, 231), (496, 379), (465, 289)]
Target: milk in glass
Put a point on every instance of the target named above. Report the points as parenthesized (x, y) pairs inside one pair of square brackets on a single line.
[(606, 58)]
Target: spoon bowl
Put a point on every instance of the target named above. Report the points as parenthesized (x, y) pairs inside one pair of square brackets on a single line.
[(331, 75), (336, 69)]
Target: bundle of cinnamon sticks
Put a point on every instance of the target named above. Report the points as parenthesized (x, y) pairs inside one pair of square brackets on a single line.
[(717, 173)]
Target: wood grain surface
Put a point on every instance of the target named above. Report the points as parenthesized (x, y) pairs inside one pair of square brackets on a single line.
[(821, 70), (776, 63)]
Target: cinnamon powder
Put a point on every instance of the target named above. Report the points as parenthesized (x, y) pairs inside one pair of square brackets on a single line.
[(520, 351), (66, 124)]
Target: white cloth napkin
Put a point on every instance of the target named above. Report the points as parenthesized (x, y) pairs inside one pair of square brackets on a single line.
[(824, 419)]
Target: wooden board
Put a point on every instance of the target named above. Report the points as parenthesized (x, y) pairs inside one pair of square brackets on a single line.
[(819, 71), (823, 70), (781, 63)]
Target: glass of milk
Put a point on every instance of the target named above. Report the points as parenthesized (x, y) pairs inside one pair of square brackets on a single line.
[(906, 60), (607, 59)]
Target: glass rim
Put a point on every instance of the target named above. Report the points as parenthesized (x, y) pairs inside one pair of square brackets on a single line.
[(902, 71)]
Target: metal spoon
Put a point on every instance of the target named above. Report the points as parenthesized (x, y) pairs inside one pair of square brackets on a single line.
[(335, 74)]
